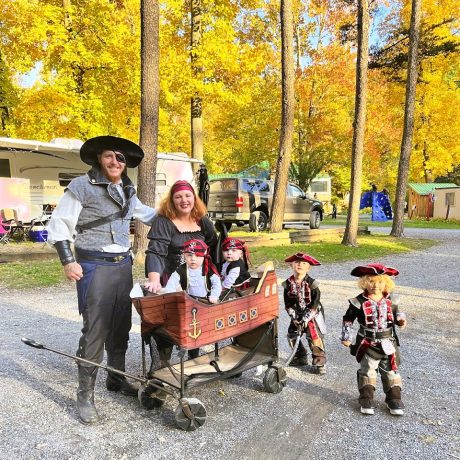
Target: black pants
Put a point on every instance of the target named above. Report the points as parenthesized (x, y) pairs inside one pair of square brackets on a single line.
[(106, 309)]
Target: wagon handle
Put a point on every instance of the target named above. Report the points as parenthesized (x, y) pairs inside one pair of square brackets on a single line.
[(40, 346)]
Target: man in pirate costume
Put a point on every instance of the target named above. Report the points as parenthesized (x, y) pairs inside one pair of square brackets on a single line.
[(302, 303), (234, 270), (197, 276), (95, 214), (377, 312)]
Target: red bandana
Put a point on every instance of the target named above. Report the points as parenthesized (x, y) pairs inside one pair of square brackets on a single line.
[(181, 185), (200, 249)]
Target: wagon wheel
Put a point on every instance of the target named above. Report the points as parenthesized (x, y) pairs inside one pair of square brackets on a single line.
[(190, 414), (151, 397), (274, 379)]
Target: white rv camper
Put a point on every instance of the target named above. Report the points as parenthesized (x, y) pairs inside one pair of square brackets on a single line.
[(34, 174)]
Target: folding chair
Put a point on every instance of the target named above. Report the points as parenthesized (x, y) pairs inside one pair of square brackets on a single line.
[(5, 233), (9, 218), (43, 217)]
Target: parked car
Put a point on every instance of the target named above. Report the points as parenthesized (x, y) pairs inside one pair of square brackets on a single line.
[(243, 201)]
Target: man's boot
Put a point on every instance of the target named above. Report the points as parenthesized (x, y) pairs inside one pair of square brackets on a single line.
[(366, 399), (85, 394), (117, 382), (393, 400)]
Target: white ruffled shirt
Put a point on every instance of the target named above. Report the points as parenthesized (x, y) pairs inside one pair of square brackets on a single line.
[(196, 283)]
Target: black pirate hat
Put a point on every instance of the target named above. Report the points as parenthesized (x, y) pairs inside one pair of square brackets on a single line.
[(92, 147)]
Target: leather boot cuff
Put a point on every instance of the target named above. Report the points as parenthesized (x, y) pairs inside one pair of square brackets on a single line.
[(64, 252)]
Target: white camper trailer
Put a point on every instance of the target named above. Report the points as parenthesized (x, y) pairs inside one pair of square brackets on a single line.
[(34, 174)]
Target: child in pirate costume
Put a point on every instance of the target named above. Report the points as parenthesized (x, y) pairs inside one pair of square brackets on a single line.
[(302, 303), (376, 341), (197, 276), (234, 270)]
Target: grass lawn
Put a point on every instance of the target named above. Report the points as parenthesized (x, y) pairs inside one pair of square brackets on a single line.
[(31, 274), (35, 274), (371, 247), (413, 223)]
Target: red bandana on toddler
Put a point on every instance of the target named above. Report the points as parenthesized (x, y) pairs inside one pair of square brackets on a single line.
[(200, 249), (234, 243)]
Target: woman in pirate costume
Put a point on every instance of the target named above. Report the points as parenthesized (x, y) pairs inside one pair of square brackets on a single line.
[(376, 342), (181, 217), (302, 303)]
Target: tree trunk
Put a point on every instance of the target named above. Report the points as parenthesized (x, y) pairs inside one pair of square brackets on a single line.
[(150, 90), (406, 143), (359, 125), (196, 102), (287, 118)]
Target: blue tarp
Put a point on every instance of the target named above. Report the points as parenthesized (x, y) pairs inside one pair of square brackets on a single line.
[(380, 204)]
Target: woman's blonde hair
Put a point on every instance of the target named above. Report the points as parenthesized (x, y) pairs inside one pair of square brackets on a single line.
[(364, 280), (168, 209)]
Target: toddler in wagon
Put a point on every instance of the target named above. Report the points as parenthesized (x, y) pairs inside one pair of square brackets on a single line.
[(234, 270), (197, 276)]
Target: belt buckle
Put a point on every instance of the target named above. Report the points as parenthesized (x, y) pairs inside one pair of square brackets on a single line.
[(118, 258)]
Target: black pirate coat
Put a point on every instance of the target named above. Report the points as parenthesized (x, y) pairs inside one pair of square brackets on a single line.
[(299, 300), (377, 320)]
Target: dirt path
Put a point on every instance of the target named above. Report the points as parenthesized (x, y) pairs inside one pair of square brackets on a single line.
[(313, 416)]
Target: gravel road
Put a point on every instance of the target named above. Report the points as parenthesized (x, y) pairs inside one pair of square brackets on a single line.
[(314, 416)]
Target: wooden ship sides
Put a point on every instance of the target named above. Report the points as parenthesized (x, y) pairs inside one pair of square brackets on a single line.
[(192, 324)]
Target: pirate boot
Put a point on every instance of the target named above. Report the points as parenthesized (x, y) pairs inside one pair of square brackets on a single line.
[(117, 382), (366, 399), (85, 395), (393, 401), (319, 359), (366, 394)]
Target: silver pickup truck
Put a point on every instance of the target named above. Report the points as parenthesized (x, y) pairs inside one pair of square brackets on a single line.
[(243, 201)]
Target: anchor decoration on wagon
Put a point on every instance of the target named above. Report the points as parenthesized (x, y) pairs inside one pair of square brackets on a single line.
[(196, 332)]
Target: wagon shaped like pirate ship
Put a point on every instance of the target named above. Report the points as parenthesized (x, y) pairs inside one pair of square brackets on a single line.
[(249, 318)]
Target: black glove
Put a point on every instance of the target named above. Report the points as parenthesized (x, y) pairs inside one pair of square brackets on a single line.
[(64, 252)]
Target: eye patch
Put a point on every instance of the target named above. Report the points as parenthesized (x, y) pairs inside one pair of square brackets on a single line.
[(120, 157)]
